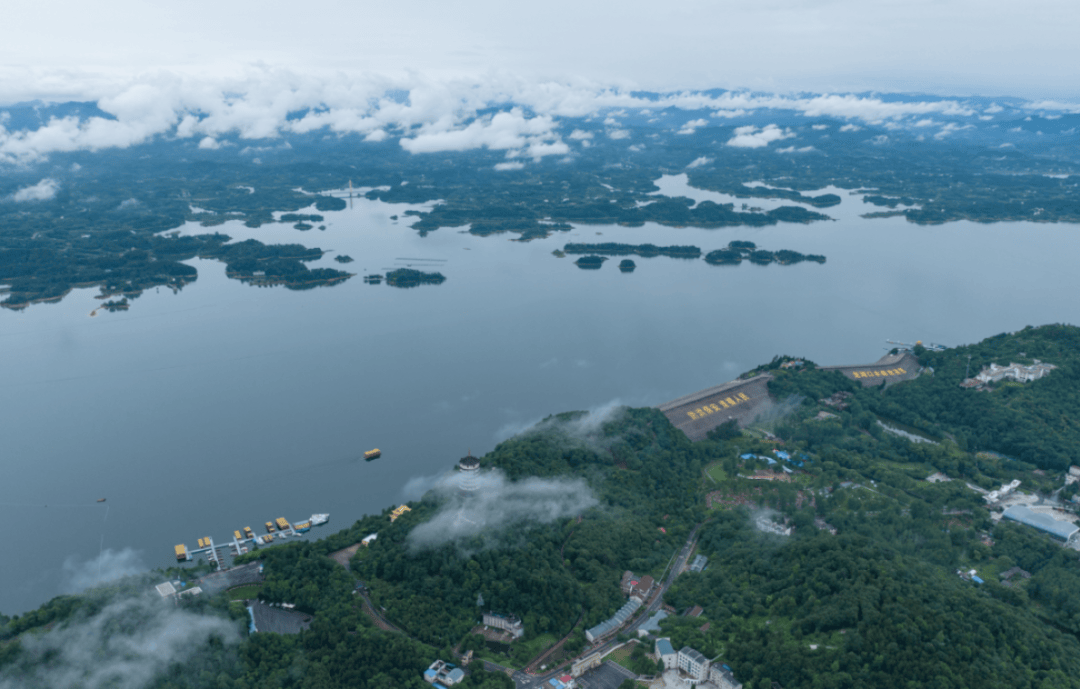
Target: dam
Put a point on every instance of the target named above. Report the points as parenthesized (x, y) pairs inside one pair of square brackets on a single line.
[(746, 400)]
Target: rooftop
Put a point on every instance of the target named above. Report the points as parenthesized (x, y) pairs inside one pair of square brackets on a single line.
[(1043, 522)]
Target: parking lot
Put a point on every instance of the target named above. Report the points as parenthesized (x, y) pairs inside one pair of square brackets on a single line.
[(608, 676)]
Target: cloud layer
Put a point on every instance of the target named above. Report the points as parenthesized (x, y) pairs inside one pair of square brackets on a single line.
[(124, 646), (499, 112)]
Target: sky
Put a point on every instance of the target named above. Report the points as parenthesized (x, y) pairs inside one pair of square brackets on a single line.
[(62, 49)]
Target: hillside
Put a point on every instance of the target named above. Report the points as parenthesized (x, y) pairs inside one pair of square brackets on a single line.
[(835, 567)]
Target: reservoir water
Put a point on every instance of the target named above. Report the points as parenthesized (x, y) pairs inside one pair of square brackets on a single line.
[(227, 405)]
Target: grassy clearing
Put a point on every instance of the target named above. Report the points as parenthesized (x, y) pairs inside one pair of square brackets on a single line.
[(621, 656), (244, 592), (716, 472)]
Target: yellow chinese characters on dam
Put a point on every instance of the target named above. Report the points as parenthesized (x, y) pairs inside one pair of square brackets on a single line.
[(719, 405), (878, 374)]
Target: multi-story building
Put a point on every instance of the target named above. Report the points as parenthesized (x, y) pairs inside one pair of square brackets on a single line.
[(506, 622), (721, 676), (693, 664), (665, 653)]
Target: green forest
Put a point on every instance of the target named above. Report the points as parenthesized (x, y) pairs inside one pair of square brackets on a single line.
[(863, 592)]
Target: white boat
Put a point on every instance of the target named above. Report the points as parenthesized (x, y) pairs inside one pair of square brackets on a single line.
[(317, 519)]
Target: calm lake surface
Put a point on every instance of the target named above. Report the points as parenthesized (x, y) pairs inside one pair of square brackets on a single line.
[(228, 405)]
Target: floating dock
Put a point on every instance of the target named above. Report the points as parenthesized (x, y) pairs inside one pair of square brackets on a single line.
[(239, 542)]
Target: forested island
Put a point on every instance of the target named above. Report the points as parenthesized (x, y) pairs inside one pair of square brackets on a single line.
[(106, 217), (408, 277), (590, 262), (839, 551), (736, 251), (643, 250), (733, 254)]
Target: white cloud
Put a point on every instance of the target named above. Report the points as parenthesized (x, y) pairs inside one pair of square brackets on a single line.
[(496, 505), (579, 135), (209, 143), (636, 148), (752, 137), (850, 128), (994, 108), (504, 130), (42, 191), (692, 126), (792, 149), (820, 126), (509, 166), (434, 115), (880, 140), (951, 127), (618, 134), (698, 162), (927, 122)]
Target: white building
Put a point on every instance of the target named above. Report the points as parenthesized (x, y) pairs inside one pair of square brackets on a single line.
[(506, 622), (666, 654), (1022, 374), (721, 676), (693, 664)]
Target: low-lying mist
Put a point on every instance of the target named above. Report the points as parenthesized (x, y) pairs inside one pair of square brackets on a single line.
[(126, 645), (497, 504)]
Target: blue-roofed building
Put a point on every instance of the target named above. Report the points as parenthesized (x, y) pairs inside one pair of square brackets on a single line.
[(665, 653), (615, 622), (782, 455), (652, 625), (442, 674), (1042, 522), (977, 579), (556, 684), (699, 563), (748, 455), (770, 460)]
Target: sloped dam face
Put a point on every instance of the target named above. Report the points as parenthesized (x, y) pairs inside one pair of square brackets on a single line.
[(697, 414)]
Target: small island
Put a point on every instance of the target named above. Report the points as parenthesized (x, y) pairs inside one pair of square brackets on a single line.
[(407, 277), (114, 306), (644, 250), (343, 258), (590, 262), (736, 251), (627, 266)]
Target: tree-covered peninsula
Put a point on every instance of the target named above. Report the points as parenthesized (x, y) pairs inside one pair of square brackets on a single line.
[(839, 551)]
